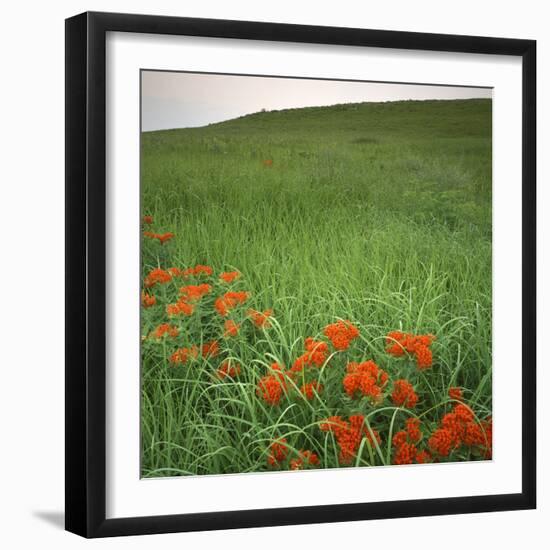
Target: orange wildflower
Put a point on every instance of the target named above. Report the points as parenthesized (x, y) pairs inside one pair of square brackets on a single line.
[(399, 438), (231, 328), (423, 457), (413, 429), (405, 454), (181, 307), (459, 427), (260, 318), (224, 304), (305, 458), (401, 342), (316, 354), (197, 270), (194, 292), (278, 452), (210, 349), (341, 334), (229, 276), (147, 300), (455, 393), (161, 237), (227, 368), (349, 435), (147, 220), (365, 379), (155, 276), (273, 386), (403, 394), (309, 390), (180, 356), (165, 329), (174, 271)]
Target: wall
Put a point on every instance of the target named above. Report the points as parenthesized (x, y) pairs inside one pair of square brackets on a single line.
[(31, 277)]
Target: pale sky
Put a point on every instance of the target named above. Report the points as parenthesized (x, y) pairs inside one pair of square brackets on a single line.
[(183, 100)]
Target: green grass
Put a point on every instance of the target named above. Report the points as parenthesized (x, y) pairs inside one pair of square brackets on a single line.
[(376, 213)]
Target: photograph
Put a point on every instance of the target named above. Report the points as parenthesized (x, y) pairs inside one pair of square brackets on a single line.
[(316, 274)]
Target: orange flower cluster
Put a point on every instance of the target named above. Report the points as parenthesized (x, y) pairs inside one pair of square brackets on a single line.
[(278, 452), (157, 275), (147, 220), (194, 292), (316, 354), (210, 349), (260, 318), (273, 386), (401, 342), (305, 459), (365, 379), (231, 328), (229, 276), (191, 271), (228, 369), (349, 435), (198, 270), (224, 304), (147, 300), (459, 427), (404, 443), (341, 334), (309, 389), (161, 237), (403, 394), (165, 329), (180, 356), (455, 393), (181, 307)]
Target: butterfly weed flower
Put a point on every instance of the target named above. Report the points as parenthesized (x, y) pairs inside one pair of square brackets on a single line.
[(231, 328), (147, 300), (197, 271), (455, 393), (229, 369), (399, 343), (210, 349), (423, 457), (182, 355), (309, 390), (155, 276), (403, 394), (165, 329), (147, 220), (405, 454), (316, 354), (260, 318), (161, 237), (278, 452), (365, 379), (194, 292), (460, 428), (341, 334), (224, 304), (273, 386), (229, 276), (181, 307), (305, 459), (349, 434), (413, 429)]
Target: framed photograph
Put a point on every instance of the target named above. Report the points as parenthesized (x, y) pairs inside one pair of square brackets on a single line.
[(300, 274)]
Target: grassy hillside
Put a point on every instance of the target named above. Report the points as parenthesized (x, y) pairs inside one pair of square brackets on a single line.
[(378, 213)]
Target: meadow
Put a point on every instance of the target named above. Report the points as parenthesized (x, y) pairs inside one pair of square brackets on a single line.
[(351, 324)]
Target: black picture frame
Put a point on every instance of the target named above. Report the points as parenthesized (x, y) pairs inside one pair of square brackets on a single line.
[(86, 275)]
